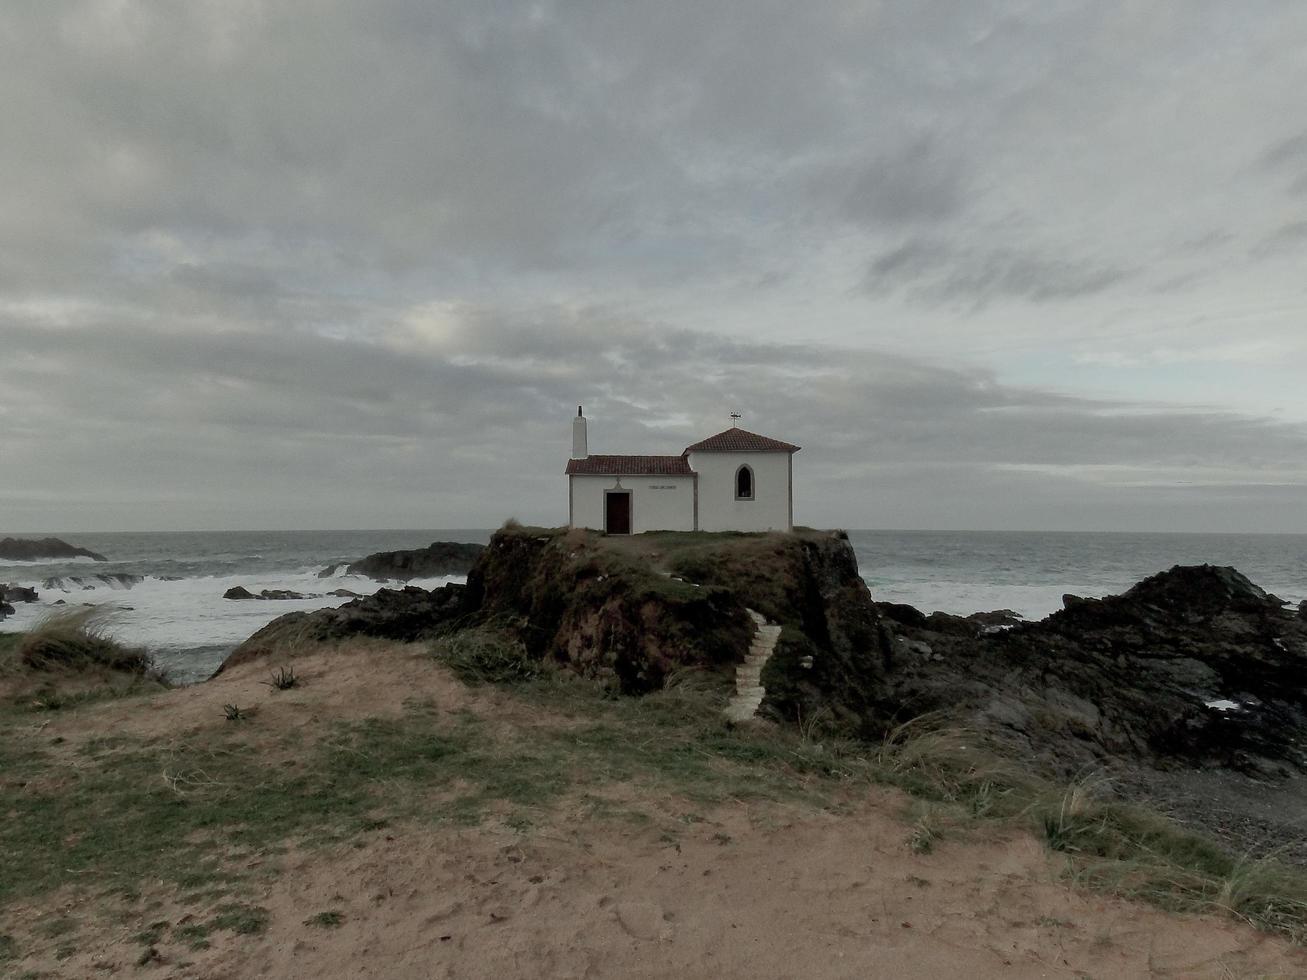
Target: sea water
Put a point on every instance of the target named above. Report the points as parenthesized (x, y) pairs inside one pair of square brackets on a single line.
[(178, 612)]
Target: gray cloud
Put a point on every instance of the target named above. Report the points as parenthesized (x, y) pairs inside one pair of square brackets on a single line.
[(939, 271), (1289, 156), (319, 263), (470, 426), (920, 182), (1288, 237)]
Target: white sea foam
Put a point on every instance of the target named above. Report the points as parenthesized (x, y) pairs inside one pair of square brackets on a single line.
[(1031, 602), (963, 598), (1225, 705), (173, 617), (46, 562)]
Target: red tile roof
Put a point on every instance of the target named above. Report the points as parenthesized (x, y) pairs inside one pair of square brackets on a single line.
[(630, 466), (740, 441)]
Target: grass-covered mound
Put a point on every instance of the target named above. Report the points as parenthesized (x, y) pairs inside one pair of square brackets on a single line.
[(631, 611), (637, 608), (605, 612), (70, 657)]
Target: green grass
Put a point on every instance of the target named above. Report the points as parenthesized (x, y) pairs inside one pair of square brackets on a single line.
[(330, 919), (175, 809), (1109, 846), (193, 811)]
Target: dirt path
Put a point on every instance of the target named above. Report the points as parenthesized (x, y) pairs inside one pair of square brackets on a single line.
[(768, 892)]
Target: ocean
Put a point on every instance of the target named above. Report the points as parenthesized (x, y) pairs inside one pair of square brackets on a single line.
[(177, 610)]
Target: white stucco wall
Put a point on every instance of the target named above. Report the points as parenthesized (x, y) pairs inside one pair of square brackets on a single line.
[(769, 510), (658, 503)]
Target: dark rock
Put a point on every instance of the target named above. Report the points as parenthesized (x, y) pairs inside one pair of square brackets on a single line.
[(406, 614), (6, 610), (345, 594), (18, 593), (1127, 677), (240, 592), (902, 613), (332, 570), (438, 558), (995, 619), (33, 549), (941, 622), (1302, 609)]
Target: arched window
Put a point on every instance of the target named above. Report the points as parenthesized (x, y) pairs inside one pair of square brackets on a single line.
[(744, 483)]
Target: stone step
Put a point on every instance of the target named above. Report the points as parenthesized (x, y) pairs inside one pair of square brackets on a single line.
[(749, 691)]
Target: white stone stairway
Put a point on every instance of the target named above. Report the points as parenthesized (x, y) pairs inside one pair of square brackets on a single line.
[(748, 675)]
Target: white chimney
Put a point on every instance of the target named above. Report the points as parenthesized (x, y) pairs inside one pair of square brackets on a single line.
[(579, 450)]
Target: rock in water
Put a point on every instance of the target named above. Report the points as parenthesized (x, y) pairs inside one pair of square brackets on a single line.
[(240, 592), (5, 610), (18, 593), (438, 558), (32, 549)]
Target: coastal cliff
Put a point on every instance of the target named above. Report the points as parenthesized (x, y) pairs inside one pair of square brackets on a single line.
[(630, 611), (1192, 667)]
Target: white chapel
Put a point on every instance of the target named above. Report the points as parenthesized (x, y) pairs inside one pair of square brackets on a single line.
[(733, 481)]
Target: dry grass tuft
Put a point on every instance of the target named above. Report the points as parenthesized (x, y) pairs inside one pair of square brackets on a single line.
[(76, 640)]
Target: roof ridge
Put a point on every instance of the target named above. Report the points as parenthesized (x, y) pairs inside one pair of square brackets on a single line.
[(736, 439)]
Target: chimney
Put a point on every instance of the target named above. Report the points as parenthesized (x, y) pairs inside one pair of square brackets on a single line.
[(579, 450)]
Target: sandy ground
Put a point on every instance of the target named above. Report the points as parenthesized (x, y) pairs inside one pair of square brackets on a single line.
[(758, 891)]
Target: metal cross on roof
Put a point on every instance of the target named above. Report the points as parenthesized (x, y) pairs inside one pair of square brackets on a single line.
[(735, 418)]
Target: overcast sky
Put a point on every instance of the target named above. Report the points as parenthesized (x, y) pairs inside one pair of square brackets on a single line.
[(1009, 264)]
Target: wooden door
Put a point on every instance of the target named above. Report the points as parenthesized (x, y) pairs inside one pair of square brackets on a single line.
[(617, 512)]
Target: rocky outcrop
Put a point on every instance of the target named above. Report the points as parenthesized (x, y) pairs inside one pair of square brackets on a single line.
[(406, 615), (240, 592), (571, 599), (1194, 666), (40, 549), (629, 619), (18, 593), (438, 558), (5, 610), (809, 584)]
